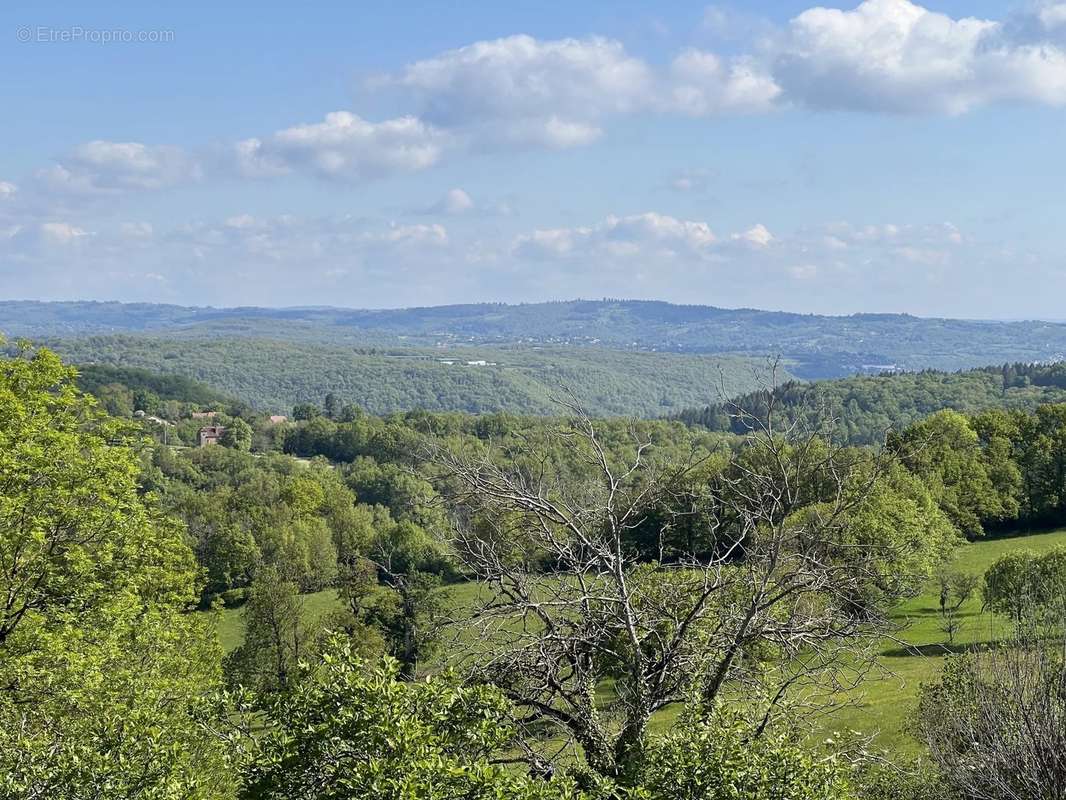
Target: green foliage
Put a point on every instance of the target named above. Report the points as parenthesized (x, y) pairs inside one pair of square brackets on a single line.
[(73, 529), (720, 753), (1027, 587), (114, 703), (349, 731), (995, 722), (869, 406), (825, 346), (105, 680), (237, 434), (277, 635), (945, 453), (145, 386), (243, 512)]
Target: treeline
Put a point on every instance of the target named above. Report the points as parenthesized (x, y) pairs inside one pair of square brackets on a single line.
[(996, 469), (866, 408)]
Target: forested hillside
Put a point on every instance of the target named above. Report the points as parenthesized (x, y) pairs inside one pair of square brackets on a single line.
[(275, 375), (866, 407), (820, 346)]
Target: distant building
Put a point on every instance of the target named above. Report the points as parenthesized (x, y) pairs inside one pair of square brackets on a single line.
[(210, 434), (204, 414), (277, 419)]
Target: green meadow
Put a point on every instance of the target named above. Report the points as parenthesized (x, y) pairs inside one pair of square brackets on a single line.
[(882, 705)]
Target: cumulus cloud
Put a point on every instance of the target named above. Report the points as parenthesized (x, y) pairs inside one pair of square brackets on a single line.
[(7, 190), (896, 56), (103, 167), (644, 234), (529, 91), (755, 236), (703, 84), (520, 90), (344, 146)]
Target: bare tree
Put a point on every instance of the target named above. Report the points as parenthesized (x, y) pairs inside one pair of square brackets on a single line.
[(995, 723), (763, 571)]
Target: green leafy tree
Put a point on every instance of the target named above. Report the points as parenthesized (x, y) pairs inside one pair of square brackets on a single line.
[(331, 406), (104, 680), (348, 731), (994, 722), (305, 411), (117, 703), (944, 451), (1027, 587), (277, 634), (722, 753), (237, 434)]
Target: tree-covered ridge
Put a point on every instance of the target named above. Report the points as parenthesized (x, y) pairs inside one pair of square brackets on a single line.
[(822, 346), (866, 407), (275, 375), (93, 378)]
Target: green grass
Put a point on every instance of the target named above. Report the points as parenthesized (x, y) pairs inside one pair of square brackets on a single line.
[(231, 620), (882, 705)]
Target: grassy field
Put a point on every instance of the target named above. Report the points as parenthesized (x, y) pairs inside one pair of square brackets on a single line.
[(885, 701), (884, 704)]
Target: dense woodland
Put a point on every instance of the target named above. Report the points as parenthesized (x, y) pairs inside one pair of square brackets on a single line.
[(864, 408), (520, 599), (274, 375)]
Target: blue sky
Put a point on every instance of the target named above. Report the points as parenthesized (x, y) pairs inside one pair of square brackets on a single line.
[(882, 156)]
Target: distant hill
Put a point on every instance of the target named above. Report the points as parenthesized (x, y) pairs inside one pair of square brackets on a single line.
[(274, 375), (818, 346)]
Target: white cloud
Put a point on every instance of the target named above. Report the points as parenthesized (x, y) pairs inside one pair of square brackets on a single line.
[(23, 240), (756, 236), (519, 90), (7, 190), (411, 234), (702, 84), (803, 272), (690, 180), (61, 232), (455, 202), (631, 236), (137, 230), (344, 146), (103, 167), (896, 56)]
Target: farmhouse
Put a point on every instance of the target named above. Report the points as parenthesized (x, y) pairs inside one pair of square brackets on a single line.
[(210, 434)]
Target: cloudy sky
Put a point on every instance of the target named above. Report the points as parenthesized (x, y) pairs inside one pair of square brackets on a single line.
[(885, 156)]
